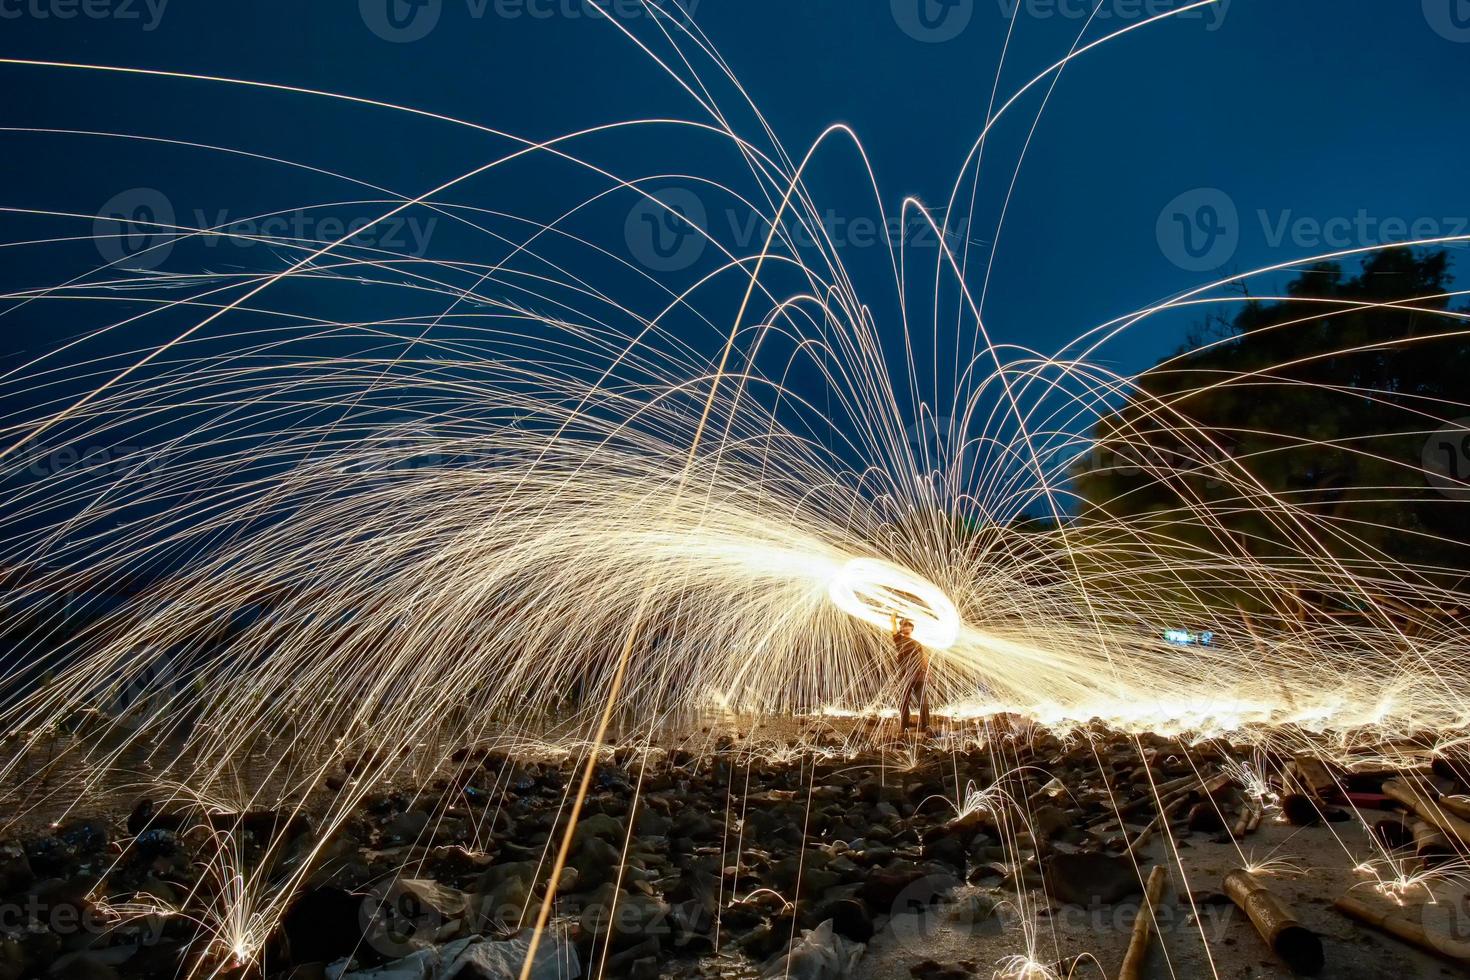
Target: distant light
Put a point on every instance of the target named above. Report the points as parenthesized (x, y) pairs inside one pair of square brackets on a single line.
[(1184, 638)]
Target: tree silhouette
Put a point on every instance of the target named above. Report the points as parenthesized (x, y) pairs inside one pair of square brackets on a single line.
[(1328, 401)]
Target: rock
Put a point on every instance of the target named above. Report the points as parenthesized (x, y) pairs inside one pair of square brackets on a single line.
[(597, 862), (89, 968), (154, 843), (628, 918), (821, 955), (507, 898), (56, 900), (1050, 821), (15, 869), (12, 959), (811, 866), (1299, 810), (761, 941), (410, 914), (406, 827), (338, 863), (85, 837), (146, 814), (417, 966), (263, 825), (91, 964), (51, 857), (653, 825), (878, 832), (948, 849), (850, 918), (916, 885), (322, 925), (479, 959), (695, 825), (456, 860), (555, 959), (307, 971), (1086, 879), (693, 925), (601, 825), (623, 961), (1204, 817)]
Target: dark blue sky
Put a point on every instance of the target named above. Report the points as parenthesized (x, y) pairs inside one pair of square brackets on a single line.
[(1345, 113)]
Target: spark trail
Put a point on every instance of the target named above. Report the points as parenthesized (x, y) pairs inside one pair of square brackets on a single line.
[(382, 538)]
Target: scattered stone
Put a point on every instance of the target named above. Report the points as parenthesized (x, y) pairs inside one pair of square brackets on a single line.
[(322, 924), (820, 955)]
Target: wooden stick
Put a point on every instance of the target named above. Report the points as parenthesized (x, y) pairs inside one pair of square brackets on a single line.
[(1143, 926), (1456, 951)]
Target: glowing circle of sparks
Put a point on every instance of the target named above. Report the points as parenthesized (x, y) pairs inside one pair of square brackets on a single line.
[(877, 591)]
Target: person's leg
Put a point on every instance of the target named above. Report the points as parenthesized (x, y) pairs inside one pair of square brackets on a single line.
[(903, 711), (923, 702)]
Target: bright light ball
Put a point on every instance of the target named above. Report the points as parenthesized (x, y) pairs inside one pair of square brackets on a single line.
[(876, 591)]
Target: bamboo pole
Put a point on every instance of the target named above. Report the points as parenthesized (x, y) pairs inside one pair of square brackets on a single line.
[(1296, 945), (1165, 792), (1429, 809), (1445, 947), (1458, 805), (1248, 820), (1143, 926), (1165, 815), (1430, 842)]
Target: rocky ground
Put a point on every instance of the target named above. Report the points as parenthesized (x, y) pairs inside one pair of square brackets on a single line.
[(1025, 857)]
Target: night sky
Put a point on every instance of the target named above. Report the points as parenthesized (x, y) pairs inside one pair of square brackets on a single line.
[(1350, 115)]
